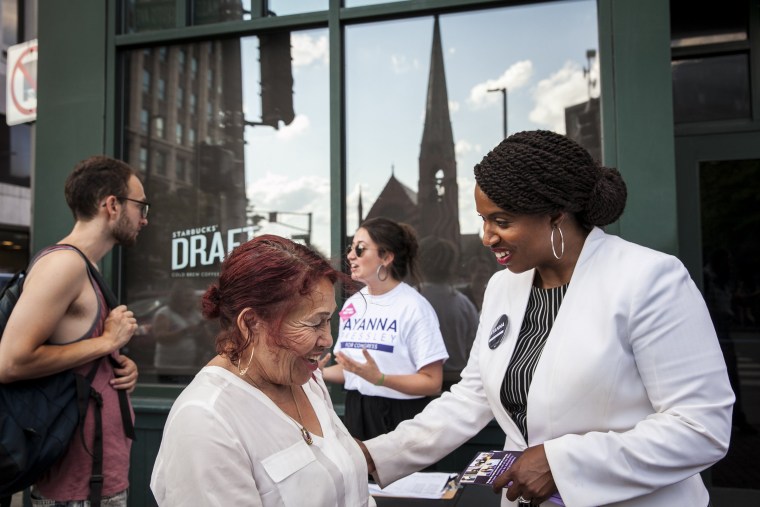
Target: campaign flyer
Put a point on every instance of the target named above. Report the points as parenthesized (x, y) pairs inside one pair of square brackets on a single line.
[(488, 465)]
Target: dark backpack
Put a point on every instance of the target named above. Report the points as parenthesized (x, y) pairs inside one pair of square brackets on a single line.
[(38, 417)]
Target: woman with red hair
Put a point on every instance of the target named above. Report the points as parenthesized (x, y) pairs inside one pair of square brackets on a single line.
[(256, 426)]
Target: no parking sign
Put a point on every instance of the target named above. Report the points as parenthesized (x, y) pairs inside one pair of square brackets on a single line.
[(21, 86)]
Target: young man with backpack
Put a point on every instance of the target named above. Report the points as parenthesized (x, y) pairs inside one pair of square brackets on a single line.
[(62, 322)]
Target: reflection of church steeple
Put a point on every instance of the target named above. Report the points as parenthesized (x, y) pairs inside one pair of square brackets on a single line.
[(434, 210), (438, 190)]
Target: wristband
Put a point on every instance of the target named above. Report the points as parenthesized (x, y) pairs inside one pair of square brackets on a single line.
[(382, 379)]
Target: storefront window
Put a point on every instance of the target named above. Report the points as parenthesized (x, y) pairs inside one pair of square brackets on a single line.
[(425, 105), (258, 163)]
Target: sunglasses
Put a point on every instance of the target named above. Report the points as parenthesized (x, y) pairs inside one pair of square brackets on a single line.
[(358, 249), (144, 206)]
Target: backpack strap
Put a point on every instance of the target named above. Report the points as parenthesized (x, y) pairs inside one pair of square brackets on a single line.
[(108, 294), (96, 478), (126, 416), (85, 392)]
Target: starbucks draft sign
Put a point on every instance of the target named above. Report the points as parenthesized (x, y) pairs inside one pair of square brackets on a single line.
[(21, 87), (198, 251)]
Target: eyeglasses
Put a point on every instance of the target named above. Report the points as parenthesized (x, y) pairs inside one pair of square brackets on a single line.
[(144, 205), (359, 249)]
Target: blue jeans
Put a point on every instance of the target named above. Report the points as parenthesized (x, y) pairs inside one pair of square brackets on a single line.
[(117, 500)]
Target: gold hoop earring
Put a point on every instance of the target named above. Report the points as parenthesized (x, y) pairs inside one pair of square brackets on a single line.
[(382, 266), (562, 242), (245, 370)]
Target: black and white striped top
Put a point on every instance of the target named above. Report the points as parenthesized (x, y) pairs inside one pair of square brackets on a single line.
[(543, 306)]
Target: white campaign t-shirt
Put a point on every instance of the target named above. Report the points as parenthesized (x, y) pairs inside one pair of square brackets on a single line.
[(399, 328)]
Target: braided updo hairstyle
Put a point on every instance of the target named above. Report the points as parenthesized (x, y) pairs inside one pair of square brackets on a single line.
[(401, 240), (542, 172), (270, 275)]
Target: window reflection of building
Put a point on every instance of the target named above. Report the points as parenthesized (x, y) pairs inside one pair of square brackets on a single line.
[(583, 125), (583, 122), (190, 146), (195, 179), (190, 154)]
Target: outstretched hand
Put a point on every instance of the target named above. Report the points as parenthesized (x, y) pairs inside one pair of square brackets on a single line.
[(367, 370), (529, 477)]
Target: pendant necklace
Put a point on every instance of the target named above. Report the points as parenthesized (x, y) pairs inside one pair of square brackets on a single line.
[(304, 432)]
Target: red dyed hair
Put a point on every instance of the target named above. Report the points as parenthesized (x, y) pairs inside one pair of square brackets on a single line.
[(270, 275)]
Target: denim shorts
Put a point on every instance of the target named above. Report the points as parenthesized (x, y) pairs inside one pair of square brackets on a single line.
[(117, 500)]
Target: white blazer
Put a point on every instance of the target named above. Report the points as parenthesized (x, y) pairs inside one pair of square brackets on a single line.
[(630, 397)]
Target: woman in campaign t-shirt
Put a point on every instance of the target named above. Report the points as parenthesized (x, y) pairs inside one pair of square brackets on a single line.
[(390, 351)]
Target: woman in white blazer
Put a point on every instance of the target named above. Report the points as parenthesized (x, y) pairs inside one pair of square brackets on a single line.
[(596, 356)]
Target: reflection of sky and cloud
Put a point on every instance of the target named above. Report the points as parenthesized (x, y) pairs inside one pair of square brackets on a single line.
[(288, 169), (537, 52)]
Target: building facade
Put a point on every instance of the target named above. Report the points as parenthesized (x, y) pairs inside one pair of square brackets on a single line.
[(288, 117)]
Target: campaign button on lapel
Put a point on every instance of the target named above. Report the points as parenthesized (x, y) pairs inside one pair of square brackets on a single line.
[(498, 331)]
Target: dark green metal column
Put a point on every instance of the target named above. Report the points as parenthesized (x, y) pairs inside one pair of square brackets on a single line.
[(637, 112), (71, 88)]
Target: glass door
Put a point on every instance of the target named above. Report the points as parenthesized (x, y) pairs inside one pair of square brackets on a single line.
[(719, 190)]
